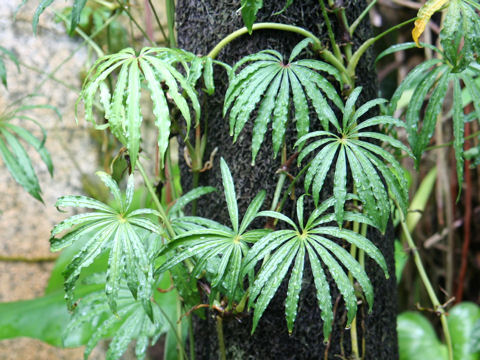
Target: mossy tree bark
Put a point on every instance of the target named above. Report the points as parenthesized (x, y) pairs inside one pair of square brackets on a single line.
[(201, 24)]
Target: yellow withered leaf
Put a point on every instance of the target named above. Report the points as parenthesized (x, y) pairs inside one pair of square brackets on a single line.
[(424, 15)]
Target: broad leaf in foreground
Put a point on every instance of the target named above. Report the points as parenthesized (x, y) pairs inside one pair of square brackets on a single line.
[(357, 157), (273, 83), (285, 249), (120, 230), (211, 240)]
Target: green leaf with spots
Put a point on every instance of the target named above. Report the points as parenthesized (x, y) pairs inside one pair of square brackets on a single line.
[(282, 250), (154, 66), (268, 83), (429, 82), (213, 248), (128, 324), (122, 231), (356, 157)]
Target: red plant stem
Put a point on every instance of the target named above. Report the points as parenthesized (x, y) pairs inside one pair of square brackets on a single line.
[(168, 183), (467, 217), (148, 20)]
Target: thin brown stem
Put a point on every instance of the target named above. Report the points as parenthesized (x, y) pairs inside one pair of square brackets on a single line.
[(437, 306), (467, 219)]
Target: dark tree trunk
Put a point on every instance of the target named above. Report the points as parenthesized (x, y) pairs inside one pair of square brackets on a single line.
[(201, 24)]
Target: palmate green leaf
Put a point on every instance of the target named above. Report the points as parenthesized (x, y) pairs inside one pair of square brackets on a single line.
[(430, 80), (130, 323), (358, 158), (14, 153), (122, 109), (121, 230), (206, 241), (285, 249), (269, 83)]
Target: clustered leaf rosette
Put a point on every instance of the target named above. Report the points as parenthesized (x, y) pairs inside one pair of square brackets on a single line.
[(349, 152), (274, 84), (130, 322), (210, 241), (155, 66), (457, 62), (119, 229), (285, 249)]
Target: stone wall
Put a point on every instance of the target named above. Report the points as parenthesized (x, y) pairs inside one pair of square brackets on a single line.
[(25, 223)]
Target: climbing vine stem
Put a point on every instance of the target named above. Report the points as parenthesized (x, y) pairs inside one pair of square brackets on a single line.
[(364, 13), (221, 340), (352, 65), (335, 47), (426, 282), (158, 205), (263, 26)]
